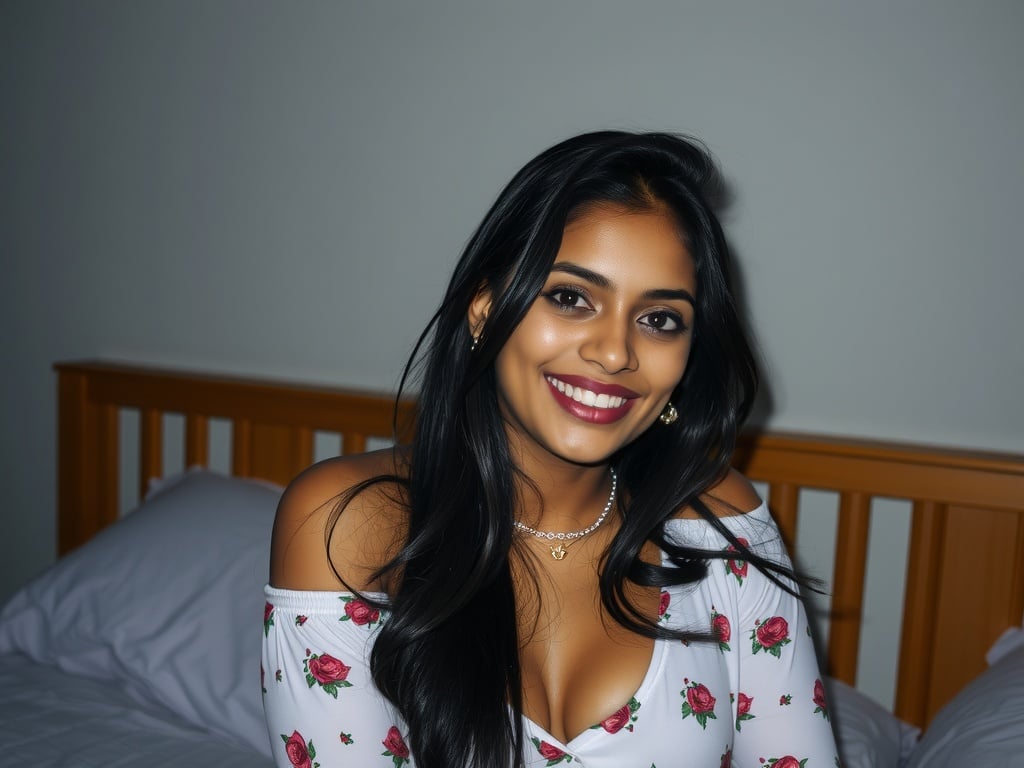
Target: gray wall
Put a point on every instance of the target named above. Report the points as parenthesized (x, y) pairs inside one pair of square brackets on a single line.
[(281, 188)]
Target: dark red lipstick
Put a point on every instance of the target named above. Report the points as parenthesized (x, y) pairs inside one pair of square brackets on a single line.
[(604, 409)]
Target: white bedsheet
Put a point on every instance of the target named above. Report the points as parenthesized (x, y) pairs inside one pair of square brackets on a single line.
[(50, 719)]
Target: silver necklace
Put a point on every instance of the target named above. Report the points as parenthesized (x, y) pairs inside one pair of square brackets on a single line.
[(565, 538)]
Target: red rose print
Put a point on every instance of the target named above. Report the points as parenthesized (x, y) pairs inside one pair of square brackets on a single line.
[(361, 613), (773, 631), (785, 762), (615, 723), (785, 699), (699, 703), (268, 618), (727, 759), (346, 738), (624, 718), (327, 669), (721, 628), (300, 620), (737, 568), (299, 753), (395, 745), (700, 699), (821, 706), (327, 672), (550, 752), (666, 598), (743, 703), (771, 635)]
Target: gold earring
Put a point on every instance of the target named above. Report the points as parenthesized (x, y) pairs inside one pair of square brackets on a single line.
[(478, 334), (669, 414)]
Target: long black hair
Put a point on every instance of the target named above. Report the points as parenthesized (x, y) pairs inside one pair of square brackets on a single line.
[(448, 656)]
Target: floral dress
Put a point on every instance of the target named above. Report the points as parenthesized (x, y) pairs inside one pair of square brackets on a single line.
[(753, 699)]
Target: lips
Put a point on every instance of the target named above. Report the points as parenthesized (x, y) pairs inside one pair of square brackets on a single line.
[(590, 400)]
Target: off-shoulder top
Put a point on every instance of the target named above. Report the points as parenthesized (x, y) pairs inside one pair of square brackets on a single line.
[(753, 699)]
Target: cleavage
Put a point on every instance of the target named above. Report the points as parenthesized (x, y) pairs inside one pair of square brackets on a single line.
[(579, 666)]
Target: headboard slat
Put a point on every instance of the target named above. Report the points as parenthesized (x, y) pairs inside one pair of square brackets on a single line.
[(197, 440), (848, 594), (241, 447), (783, 501), (352, 442), (77, 463), (278, 453), (927, 541), (151, 447), (107, 450)]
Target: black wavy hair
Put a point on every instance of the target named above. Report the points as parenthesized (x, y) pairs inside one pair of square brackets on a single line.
[(448, 656)]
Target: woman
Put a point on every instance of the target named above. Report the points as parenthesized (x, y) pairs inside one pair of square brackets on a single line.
[(561, 568)]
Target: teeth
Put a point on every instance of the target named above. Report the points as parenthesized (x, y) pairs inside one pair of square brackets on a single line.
[(587, 397)]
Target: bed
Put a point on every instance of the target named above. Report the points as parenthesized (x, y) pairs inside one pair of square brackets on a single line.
[(140, 646)]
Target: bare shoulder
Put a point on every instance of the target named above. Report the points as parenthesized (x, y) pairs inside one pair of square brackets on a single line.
[(733, 495), (318, 547)]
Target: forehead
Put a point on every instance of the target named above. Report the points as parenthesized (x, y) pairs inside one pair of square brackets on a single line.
[(644, 245)]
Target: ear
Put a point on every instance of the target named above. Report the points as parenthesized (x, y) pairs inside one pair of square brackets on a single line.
[(479, 308)]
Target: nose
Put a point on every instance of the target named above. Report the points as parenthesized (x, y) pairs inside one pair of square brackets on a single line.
[(610, 345)]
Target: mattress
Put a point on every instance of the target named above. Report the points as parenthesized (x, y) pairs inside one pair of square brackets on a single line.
[(49, 718)]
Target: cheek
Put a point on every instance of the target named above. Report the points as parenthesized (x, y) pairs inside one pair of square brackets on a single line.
[(666, 371), (537, 340)]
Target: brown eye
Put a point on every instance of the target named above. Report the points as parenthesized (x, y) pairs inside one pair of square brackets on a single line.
[(567, 299), (663, 322)]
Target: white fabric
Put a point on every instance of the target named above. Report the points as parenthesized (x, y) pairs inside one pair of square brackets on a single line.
[(49, 719), (319, 695), (158, 604), (869, 735), (983, 725)]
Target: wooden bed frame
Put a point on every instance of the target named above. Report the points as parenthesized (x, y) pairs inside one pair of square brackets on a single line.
[(965, 565)]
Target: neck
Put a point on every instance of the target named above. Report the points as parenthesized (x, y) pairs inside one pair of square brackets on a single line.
[(563, 498)]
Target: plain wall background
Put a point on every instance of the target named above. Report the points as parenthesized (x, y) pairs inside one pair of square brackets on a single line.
[(281, 189)]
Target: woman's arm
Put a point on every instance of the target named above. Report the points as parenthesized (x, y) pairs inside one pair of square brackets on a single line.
[(319, 699)]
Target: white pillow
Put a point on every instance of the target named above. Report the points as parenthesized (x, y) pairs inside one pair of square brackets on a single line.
[(167, 603), (868, 735), (982, 725)]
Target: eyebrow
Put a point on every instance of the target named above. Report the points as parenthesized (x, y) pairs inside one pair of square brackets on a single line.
[(600, 281)]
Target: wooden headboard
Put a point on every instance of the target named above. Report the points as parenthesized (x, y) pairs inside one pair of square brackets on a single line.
[(272, 428), (965, 564)]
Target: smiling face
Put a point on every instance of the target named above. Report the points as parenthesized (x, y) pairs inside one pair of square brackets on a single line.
[(595, 359)]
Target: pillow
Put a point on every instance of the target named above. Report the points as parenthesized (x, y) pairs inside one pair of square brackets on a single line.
[(983, 724), (1005, 644), (868, 735), (166, 604)]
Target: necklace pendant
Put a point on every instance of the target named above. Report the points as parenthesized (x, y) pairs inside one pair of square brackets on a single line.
[(559, 552)]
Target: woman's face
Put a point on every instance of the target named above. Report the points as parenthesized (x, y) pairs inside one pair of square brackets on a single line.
[(596, 357)]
